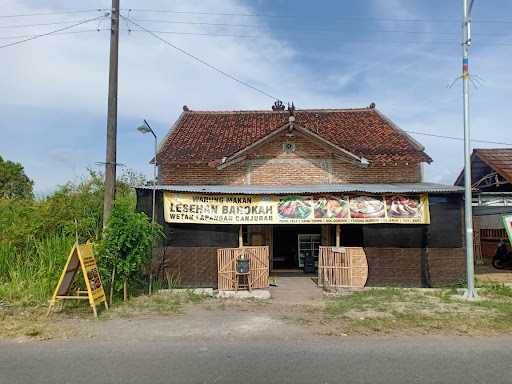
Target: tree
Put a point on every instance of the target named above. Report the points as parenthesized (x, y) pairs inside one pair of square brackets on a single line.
[(14, 183), (126, 247)]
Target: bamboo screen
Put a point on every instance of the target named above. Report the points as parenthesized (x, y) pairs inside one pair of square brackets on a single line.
[(259, 266), (342, 267)]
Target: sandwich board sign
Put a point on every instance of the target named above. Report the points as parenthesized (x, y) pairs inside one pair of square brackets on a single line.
[(80, 259)]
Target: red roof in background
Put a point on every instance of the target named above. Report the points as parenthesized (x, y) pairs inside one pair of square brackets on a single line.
[(212, 135), (499, 159)]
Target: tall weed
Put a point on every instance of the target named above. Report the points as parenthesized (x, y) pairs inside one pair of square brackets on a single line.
[(29, 273)]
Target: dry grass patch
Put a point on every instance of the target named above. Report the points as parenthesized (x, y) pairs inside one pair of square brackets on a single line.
[(410, 311), (168, 303), (30, 323)]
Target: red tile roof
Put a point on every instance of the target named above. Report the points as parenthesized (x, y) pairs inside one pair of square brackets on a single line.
[(499, 159), (211, 135)]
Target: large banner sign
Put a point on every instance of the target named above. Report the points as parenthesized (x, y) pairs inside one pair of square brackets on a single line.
[(277, 209)]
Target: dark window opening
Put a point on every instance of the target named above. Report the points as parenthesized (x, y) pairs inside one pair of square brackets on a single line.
[(293, 243)]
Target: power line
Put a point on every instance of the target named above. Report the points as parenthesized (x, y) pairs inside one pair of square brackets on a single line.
[(51, 32), (327, 28), (277, 16), (55, 13), (249, 36), (313, 29), (204, 13), (458, 138), (14, 26), (214, 34), (224, 73), (56, 34), (308, 37), (206, 34)]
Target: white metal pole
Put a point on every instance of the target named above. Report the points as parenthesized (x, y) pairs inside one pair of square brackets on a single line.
[(468, 197), (154, 180)]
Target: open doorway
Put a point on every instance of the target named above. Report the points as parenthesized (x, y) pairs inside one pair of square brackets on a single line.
[(292, 244)]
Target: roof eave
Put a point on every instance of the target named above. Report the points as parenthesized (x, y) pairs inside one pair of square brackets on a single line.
[(418, 146), (491, 164)]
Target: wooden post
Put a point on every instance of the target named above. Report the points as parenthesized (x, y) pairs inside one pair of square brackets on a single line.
[(111, 295), (338, 232), (125, 290), (110, 162), (240, 237)]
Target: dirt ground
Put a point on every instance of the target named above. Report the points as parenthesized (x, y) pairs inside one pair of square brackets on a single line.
[(489, 273), (298, 309)]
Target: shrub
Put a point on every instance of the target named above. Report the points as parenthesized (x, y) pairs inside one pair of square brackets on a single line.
[(126, 247)]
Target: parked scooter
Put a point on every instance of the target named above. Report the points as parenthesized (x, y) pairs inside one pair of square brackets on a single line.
[(502, 258)]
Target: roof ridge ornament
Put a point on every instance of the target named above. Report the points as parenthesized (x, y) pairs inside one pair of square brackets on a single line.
[(291, 118), (291, 109), (278, 106)]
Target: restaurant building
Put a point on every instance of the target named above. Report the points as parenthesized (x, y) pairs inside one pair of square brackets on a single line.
[(295, 181)]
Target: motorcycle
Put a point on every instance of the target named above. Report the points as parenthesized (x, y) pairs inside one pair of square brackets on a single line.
[(502, 258)]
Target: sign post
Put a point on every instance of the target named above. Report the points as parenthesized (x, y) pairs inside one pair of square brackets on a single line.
[(81, 258)]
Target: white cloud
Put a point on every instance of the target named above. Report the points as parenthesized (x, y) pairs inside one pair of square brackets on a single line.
[(67, 76)]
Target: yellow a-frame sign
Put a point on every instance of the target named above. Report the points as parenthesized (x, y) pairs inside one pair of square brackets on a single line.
[(81, 258)]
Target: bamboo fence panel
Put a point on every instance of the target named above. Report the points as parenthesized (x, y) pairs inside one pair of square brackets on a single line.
[(477, 245), (493, 234), (342, 267), (258, 266)]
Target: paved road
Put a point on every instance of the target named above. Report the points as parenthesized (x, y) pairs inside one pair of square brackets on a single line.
[(262, 360)]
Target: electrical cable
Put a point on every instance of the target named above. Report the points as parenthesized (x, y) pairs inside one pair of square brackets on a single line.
[(14, 26), (56, 13), (306, 37), (58, 33), (51, 32), (355, 18), (314, 29), (222, 72), (457, 138)]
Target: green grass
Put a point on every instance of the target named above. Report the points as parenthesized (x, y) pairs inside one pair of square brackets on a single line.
[(29, 274), (409, 311)]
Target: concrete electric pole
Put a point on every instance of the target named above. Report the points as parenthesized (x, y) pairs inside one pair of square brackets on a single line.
[(110, 163), (468, 196)]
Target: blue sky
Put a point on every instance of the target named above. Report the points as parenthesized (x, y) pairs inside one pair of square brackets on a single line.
[(400, 54)]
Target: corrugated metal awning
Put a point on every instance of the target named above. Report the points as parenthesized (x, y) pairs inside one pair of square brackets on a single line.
[(313, 188)]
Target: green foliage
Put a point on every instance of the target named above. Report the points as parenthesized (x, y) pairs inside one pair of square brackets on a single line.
[(37, 234), (14, 184), (29, 274), (21, 219), (127, 243)]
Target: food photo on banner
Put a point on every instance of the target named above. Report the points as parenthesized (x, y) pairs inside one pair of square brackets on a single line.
[(276, 209)]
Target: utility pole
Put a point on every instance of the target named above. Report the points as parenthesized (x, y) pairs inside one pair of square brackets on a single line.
[(110, 163), (468, 196)]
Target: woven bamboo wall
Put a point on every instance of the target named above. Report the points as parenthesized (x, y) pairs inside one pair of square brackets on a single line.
[(187, 267)]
